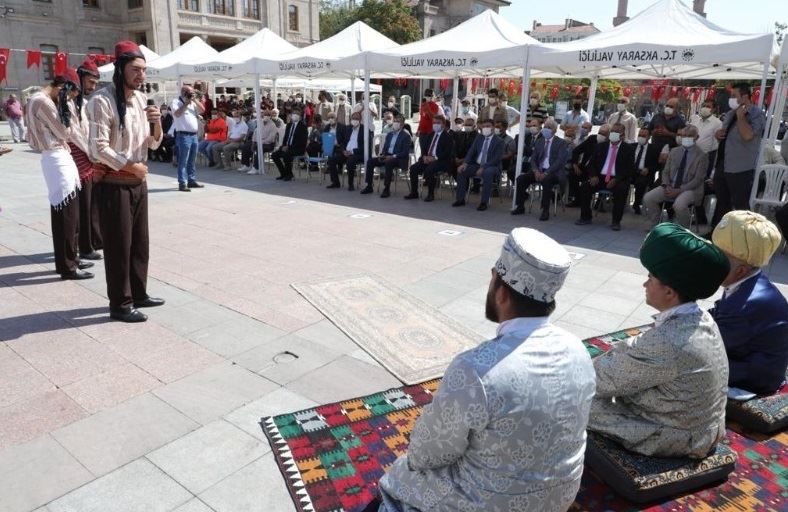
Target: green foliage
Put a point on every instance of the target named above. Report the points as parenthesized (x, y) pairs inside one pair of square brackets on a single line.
[(779, 31), (392, 18)]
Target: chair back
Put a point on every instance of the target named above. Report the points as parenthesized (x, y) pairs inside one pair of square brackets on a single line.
[(329, 141), (776, 186)]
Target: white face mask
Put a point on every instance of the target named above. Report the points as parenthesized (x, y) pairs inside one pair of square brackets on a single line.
[(534, 129), (389, 121), (733, 103), (266, 119), (621, 107), (497, 131), (465, 110), (468, 128), (390, 104), (341, 102), (533, 102), (678, 139), (668, 111), (492, 101), (687, 142), (614, 136), (396, 126), (457, 128), (487, 131), (437, 128), (705, 111), (295, 118), (601, 138), (504, 103), (355, 122), (642, 141)]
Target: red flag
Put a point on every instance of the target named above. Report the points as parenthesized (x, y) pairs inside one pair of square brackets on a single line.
[(61, 63), (756, 95), (627, 91), (444, 83), (711, 94), (686, 92), (512, 88), (4, 54), (33, 58), (554, 92), (696, 94), (642, 89)]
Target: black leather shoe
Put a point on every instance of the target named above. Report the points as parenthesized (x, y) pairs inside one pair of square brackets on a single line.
[(573, 204), (545, 215), (385, 193), (91, 256), (76, 275), (411, 196), (148, 302), (615, 227), (481, 207), (430, 198), (130, 315), (520, 210), (280, 177), (82, 265), (334, 185), (636, 209), (351, 188), (458, 203), (582, 222), (367, 190), (194, 184), (184, 188)]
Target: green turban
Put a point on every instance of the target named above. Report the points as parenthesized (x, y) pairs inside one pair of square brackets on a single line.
[(692, 266)]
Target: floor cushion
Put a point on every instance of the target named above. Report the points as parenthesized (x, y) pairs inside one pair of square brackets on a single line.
[(765, 414)]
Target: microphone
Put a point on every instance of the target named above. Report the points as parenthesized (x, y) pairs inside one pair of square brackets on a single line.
[(151, 103)]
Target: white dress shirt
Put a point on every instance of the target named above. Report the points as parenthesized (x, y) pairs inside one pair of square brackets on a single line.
[(187, 122), (238, 130), (546, 161), (352, 144), (706, 130)]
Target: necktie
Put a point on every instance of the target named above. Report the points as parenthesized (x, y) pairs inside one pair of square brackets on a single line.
[(546, 159), (640, 155), (485, 147), (292, 134), (393, 142), (435, 137), (611, 163), (680, 174)]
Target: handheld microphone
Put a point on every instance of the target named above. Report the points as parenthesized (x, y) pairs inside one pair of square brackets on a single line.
[(151, 103)]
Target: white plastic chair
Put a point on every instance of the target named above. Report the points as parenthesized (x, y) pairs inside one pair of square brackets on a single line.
[(775, 193)]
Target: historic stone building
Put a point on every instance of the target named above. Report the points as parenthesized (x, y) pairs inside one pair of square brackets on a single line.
[(569, 31), (436, 16), (93, 26)]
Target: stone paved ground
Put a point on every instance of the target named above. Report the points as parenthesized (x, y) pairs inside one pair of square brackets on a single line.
[(104, 416)]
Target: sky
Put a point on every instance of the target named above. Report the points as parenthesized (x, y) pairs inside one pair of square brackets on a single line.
[(747, 16)]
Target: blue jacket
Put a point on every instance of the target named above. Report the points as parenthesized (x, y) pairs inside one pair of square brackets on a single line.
[(753, 322), (494, 152), (401, 147), (559, 156)]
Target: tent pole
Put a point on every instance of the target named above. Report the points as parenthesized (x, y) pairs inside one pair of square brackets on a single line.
[(762, 96), (367, 117), (455, 100), (779, 103), (592, 97), (353, 90), (259, 130), (523, 115), (778, 95)]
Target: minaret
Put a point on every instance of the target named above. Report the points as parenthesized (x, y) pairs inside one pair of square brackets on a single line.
[(622, 13)]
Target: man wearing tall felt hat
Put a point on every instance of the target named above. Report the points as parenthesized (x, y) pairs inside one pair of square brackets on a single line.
[(122, 130)]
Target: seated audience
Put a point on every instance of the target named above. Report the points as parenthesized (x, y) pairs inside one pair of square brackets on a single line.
[(349, 151), (269, 136), (215, 133), (314, 143), (394, 154), (236, 135), (466, 110), (682, 179), (506, 428), (483, 160), (509, 146), (752, 314), (462, 143), (646, 165), (663, 394), (293, 145), (436, 160)]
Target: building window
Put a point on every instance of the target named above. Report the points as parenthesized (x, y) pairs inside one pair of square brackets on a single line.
[(48, 52), (251, 8), (140, 38), (136, 4), (224, 7), (189, 5), (292, 18), (90, 3)]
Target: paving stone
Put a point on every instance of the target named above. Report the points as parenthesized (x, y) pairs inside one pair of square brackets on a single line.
[(116, 436), (19, 380), (37, 415), (194, 505), (235, 337), (177, 361), (211, 393), (286, 359), (112, 387), (204, 457), (36, 472), (341, 379), (329, 335), (259, 487), (137, 487), (601, 321)]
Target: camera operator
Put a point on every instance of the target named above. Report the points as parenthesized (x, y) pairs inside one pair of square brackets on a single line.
[(186, 108)]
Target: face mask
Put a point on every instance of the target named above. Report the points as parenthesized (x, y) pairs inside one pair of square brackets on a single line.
[(642, 141), (465, 110), (678, 139), (437, 128), (396, 126), (601, 138), (687, 142), (390, 104), (332, 122), (468, 128), (621, 107), (492, 101), (733, 103), (295, 118), (534, 130), (497, 131), (428, 98), (355, 122), (614, 137), (504, 103), (389, 121), (705, 111), (487, 131), (456, 128), (668, 111), (341, 102), (266, 119), (534, 102), (547, 133)]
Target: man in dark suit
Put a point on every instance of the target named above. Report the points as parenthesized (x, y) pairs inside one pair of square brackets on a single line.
[(436, 160), (533, 134), (349, 151), (394, 154), (611, 169), (462, 144), (582, 154), (548, 167), (483, 160), (646, 164), (293, 145)]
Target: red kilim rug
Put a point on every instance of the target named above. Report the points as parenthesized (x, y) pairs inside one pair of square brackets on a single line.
[(332, 456)]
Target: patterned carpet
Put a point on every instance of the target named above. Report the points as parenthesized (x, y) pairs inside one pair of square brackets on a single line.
[(333, 455), (410, 338)]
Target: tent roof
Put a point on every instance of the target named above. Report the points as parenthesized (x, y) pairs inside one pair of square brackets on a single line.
[(486, 44), (107, 70), (237, 61), (693, 47), (320, 84), (320, 58), (175, 63)]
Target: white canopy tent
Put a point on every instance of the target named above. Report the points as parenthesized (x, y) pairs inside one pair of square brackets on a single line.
[(777, 106), (172, 65), (106, 71), (318, 84)]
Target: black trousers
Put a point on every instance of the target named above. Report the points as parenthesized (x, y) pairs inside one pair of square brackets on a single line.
[(246, 152), (337, 160), (642, 185), (283, 160), (124, 227), (89, 224), (65, 223), (388, 166), (732, 191), (620, 193), (430, 171), (527, 179), (782, 220)]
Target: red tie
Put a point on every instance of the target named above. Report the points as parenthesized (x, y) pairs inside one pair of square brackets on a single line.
[(612, 162)]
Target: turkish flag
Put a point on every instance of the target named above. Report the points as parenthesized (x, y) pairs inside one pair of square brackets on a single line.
[(712, 93), (33, 58), (61, 63), (4, 54)]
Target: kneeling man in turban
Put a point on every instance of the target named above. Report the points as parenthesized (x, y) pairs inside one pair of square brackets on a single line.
[(752, 314), (664, 393), (506, 429)]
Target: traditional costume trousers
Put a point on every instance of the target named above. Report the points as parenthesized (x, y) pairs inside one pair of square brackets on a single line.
[(62, 179)]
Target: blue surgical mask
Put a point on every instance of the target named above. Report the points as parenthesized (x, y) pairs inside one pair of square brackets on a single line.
[(547, 133)]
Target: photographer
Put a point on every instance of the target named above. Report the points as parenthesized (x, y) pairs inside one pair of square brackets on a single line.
[(186, 108)]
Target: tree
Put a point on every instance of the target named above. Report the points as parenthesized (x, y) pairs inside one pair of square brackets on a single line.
[(779, 31), (392, 18)]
